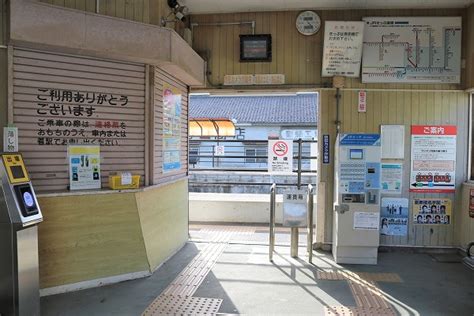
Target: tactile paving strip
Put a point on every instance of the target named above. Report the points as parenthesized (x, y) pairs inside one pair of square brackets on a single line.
[(177, 298), (368, 295), (348, 275), (357, 311), (180, 305), (369, 299), (187, 282)]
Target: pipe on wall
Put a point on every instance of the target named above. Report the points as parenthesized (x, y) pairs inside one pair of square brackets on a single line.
[(252, 23)]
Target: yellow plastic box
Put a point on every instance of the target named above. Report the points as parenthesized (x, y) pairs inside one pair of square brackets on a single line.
[(115, 182)]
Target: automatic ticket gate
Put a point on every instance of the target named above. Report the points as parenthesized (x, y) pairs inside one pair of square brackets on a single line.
[(19, 216)]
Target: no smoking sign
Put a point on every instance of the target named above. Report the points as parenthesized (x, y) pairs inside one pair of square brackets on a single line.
[(280, 156), (280, 148)]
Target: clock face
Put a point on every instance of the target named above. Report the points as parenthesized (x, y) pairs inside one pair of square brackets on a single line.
[(308, 23)]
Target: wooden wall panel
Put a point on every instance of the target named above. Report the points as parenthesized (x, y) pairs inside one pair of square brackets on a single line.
[(297, 56), (160, 78), (47, 164), (163, 215), (3, 67), (146, 11), (99, 237), (469, 30), (406, 108)]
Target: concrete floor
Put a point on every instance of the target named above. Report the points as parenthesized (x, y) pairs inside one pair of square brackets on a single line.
[(248, 283)]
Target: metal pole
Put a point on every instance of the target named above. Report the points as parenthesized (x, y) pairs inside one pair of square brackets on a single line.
[(97, 6), (300, 151), (272, 222), (310, 222), (294, 242)]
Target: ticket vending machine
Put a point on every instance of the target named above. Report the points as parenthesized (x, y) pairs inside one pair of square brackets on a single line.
[(357, 199), (19, 216)]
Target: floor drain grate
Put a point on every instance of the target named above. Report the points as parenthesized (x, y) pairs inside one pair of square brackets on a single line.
[(182, 305)]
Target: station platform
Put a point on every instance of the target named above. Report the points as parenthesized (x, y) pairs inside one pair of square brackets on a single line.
[(224, 269)]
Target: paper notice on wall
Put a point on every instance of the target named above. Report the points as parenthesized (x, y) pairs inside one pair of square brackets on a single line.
[(366, 220), (433, 158), (393, 141), (392, 178), (342, 48)]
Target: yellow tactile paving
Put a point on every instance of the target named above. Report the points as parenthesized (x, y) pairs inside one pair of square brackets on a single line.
[(358, 311), (180, 305), (369, 299), (367, 276), (177, 298)]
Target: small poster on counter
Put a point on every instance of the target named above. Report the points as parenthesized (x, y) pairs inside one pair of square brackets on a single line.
[(432, 211), (394, 216), (84, 167)]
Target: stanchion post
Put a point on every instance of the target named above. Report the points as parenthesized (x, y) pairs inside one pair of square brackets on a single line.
[(310, 222), (272, 222)]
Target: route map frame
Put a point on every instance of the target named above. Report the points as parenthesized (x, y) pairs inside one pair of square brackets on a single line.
[(412, 50)]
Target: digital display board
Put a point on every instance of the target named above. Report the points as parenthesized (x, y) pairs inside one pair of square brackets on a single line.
[(256, 48)]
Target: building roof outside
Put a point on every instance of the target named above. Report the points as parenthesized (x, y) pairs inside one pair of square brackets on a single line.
[(300, 109)]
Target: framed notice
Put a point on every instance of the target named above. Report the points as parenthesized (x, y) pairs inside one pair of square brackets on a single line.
[(84, 167), (171, 128), (433, 158)]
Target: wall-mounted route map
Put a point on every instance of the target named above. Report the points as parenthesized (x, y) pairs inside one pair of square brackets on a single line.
[(412, 50)]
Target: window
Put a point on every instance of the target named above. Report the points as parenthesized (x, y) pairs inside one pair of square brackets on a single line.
[(256, 152)]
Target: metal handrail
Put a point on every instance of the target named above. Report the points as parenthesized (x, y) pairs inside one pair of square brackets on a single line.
[(272, 221), (262, 141)]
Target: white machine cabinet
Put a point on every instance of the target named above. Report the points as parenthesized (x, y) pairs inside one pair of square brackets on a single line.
[(357, 199)]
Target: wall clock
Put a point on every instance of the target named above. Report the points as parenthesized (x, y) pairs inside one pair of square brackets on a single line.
[(308, 22)]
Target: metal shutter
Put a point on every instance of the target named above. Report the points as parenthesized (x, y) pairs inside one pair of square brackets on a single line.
[(116, 93)]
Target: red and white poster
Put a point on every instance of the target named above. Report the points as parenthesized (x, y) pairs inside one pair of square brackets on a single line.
[(433, 158), (280, 156)]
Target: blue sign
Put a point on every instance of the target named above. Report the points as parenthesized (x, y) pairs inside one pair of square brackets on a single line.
[(360, 140), (326, 149)]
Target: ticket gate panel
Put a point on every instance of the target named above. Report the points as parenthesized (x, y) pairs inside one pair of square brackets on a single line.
[(19, 214)]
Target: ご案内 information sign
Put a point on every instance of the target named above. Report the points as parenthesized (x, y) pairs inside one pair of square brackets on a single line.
[(433, 158)]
